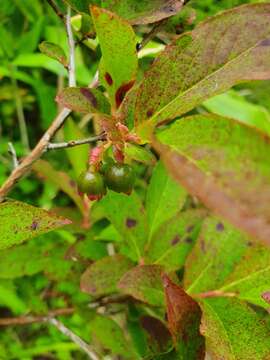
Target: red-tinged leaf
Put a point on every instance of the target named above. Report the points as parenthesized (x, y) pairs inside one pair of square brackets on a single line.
[(226, 165), (54, 51), (45, 170), (144, 283), (118, 66), (20, 221), (184, 318), (231, 47), (144, 11), (84, 100), (101, 277)]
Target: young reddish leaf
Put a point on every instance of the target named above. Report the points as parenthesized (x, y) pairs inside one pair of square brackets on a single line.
[(119, 62), (101, 277), (234, 331), (45, 170), (228, 48), (226, 165), (184, 318), (54, 51), (20, 221), (144, 11), (144, 283), (216, 253), (84, 100)]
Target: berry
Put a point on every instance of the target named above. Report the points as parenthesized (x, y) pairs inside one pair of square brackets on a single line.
[(120, 178), (92, 184)]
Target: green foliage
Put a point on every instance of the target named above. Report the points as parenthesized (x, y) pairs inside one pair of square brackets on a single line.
[(164, 271)]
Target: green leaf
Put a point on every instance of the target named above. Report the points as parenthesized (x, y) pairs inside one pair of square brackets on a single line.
[(184, 318), (214, 257), (235, 106), (234, 331), (60, 179), (126, 213), (225, 164), (119, 62), (140, 154), (82, 5), (20, 221), (29, 41), (78, 156), (143, 11), (9, 298), (84, 100), (251, 277), (144, 283), (101, 277), (164, 198), (54, 51), (111, 336), (192, 68), (174, 239)]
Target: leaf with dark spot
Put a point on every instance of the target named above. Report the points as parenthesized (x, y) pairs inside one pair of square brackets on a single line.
[(121, 93), (108, 78), (221, 52), (20, 221), (54, 51), (130, 223), (184, 318), (84, 100)]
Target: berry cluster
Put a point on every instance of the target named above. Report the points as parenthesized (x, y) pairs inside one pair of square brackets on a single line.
[(116, 176)]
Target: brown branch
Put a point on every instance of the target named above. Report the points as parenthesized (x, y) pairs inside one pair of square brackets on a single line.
[(55, 9), (72, 143), (24, 320)]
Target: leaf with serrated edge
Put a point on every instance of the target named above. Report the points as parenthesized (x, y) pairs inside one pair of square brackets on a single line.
[(233, 331), (226, 165), (231, 47), (20, 221), (101, 277)]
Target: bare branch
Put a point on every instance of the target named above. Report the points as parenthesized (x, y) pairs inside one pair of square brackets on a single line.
[(71, 44), (12, 152), (35, 154), (24, 320), (72, 143), (75, 338)]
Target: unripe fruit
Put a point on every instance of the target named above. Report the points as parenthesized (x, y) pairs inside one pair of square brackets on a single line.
[(120, 178), (92, 184), (106, 164)]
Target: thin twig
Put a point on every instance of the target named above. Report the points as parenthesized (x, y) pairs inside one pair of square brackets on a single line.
[(35, 154), (71, 66), (72, 143), (12, 152), (24, 320), (75, 338), (95, 81), (55, 9), (153, 32)]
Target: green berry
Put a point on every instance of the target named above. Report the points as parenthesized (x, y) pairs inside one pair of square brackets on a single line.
[(120, 178), (92, 184), (106, 164)]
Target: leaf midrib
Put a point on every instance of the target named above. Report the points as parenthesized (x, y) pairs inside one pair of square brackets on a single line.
[(153, 118)]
